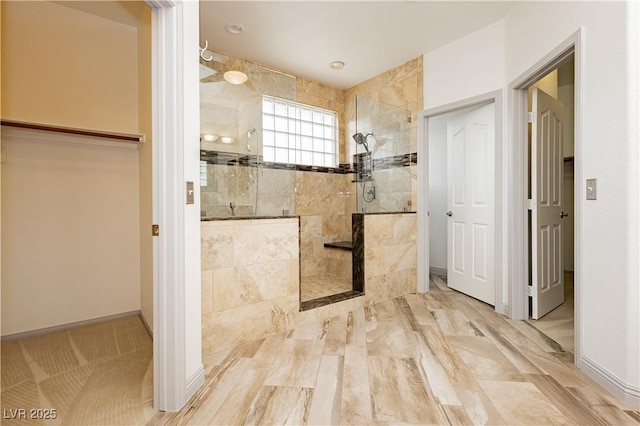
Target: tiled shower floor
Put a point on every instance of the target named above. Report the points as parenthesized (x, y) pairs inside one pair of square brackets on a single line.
[(317, 286)]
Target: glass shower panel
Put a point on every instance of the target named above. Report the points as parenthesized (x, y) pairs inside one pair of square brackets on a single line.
[(382, 157), (237, 181)]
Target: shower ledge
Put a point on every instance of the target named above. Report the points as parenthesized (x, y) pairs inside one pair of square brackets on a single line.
[(342, 245)]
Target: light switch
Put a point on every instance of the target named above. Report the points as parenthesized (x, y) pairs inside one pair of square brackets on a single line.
[(190, 193), (591, 189)]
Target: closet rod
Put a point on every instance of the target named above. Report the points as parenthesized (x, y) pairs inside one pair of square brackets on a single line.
[(74, 131)]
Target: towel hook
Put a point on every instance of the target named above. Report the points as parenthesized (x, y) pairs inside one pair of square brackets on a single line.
[(202, 49)]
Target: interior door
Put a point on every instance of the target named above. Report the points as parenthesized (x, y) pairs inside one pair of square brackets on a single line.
[(546, 215), (470, 199)]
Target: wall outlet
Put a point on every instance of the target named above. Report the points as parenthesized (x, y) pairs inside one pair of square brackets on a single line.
[(591, 189)]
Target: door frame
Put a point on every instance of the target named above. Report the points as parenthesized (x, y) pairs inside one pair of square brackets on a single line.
[(494, 97), (516, 164), (177, 331)]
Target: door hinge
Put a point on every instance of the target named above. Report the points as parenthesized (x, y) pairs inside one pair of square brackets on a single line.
[(531, 204), (155, 230), (530, 291), (531, 117)]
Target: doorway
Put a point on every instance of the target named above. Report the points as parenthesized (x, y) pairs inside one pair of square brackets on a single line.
[(440, 212), (553, 314), (517, 161)]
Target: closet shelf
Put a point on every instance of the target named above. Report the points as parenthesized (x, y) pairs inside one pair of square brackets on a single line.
[(123, 137)]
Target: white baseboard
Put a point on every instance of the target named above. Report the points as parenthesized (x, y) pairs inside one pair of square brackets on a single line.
[(441, 272), (195, 381), (506, 310), (61, 327), (625, 392)]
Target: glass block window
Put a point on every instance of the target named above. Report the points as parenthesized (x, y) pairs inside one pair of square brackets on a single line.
[(295, 133), (203, 173)]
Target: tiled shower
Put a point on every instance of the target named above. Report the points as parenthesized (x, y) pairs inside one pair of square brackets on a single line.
[(238, 184)]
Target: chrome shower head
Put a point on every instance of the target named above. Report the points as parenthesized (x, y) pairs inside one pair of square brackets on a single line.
[(362, 139)]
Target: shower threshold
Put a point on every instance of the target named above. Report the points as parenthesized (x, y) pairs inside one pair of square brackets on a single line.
[(327, 300)]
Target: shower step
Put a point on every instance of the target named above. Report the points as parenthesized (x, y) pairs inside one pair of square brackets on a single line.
[(342, 245)]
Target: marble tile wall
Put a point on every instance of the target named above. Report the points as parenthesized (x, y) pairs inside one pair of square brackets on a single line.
[(399, 87), (250, 279), (390, 256), (251, 275), (324, 202)]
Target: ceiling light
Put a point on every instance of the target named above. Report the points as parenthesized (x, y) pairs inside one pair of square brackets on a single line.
[(233, 28), (227, 139), (235, 77), (208, 137), (336, 65)]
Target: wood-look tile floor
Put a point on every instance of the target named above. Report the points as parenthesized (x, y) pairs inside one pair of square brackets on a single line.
[(558, 324), (317, 286), (439, 358)]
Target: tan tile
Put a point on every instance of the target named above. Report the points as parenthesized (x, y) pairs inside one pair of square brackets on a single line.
[(355, 408), (456, 415), (217, 390), (327, 395), (522, 403), (568, 405), (419, 309), (279, 405), (484, 360), (356, 331), (433, 375), (479, 407), (249, 284), (297, 364), (454, 323), (216, 245), (398, 394), (207, 292)]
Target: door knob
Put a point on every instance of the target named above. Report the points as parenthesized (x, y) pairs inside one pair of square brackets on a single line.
[(449, 213), (563, 215)]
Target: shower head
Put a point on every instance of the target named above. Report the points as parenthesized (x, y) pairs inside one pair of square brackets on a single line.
[(362, 139)]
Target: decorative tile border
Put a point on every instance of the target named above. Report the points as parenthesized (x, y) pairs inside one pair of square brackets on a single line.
[(232, 159)]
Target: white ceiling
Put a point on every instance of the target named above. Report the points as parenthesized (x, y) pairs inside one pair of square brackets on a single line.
[(302, 37)]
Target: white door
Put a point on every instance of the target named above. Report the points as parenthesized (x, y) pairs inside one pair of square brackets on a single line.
[(546, 215), (470, 201)]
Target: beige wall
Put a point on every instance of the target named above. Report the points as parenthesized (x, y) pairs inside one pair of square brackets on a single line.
[(66, 67), (70, 230)]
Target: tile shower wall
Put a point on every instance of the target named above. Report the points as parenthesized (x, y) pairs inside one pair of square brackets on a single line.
[(400, 87), (250, 275), (250, 280), (390, 256), (324, 202)]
